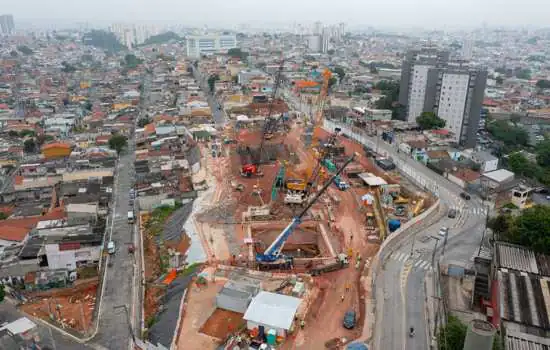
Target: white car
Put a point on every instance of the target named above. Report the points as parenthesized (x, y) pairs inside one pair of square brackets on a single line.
[(443, 231)]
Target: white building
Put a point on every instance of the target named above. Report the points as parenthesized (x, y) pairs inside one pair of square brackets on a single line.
[(272, 312), (209, 44), (314, 43)]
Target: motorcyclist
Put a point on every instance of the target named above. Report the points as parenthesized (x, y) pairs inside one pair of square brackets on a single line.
[(411, 331)]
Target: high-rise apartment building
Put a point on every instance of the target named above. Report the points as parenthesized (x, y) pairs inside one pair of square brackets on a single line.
[(452, 90), (198, 45), (7, 25)]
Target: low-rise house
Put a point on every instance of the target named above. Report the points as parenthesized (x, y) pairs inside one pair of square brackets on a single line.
[(465, 178), (486, 161), (496, 181), (270, 312)]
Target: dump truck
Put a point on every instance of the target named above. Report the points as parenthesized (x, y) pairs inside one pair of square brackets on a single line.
[(341, 262)]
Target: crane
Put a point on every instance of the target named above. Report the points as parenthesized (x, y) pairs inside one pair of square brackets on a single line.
[(272, 256), (254, 168), (323, 154)]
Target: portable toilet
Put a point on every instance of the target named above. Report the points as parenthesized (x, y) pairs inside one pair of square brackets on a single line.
[(272, 337)]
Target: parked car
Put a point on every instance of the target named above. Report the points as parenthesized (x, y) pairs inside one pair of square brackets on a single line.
[(350, 319), (452, 213), (443, 231), (465, 195)]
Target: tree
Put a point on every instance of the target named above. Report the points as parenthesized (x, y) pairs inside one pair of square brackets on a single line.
[(330, 52), (2, 293), (13, 133), (212, 82), (162, 38), (429, 121), (236, 52), (543, 153), (518, 163), (3, 216), (29, 145), (500, 225), (332, 81), (143, 121), (25, 50), (104, 40), (118, 142), (523, 74), (13, 53), (499, 80), (340, 72), (508, 134), (452, 335), (131, 61), (543, 84), (531, 229), (67, 67)]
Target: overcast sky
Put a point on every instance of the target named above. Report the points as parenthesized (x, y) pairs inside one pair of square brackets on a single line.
[(387, 13)]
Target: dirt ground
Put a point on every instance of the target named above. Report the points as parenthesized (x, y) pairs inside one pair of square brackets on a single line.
[(72, 307), (151, 270), (200, 304), (221, 323)]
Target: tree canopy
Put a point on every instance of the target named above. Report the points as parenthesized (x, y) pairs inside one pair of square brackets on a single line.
[(543, 84), (118, 142), (236, 52), (340, 72), (429, 121), (212, 81), (25, 50), (143, 121), (104, 40), (510, 135), (523, 74), (131, 61), (390, 89), (162, 38), (530, 229)]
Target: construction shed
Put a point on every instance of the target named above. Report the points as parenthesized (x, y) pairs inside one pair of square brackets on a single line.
[(270, 312), (372, 180), (236, 296)]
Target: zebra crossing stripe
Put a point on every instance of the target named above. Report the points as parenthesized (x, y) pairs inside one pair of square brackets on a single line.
[(425, 265), (402, 257), (418, 263)]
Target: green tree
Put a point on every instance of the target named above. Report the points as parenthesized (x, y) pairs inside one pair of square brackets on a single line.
[(2, 293), (518, 163), (162, 38), (131, 61), (143, 121), (510, 135), (543, 153), (236, 52), (13, 53), (3, 216), (331, 52), (429, 121), (532, 229), (104, 40), (452, 335), (340, 72), (332, 81), (499, 80), (523, 74), (543, 84), (25, 50), (118, 142), (212, 82), (29, 145), (500, 225), (27, 132)]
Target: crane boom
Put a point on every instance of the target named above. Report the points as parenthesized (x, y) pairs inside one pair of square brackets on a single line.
[(273, 252)]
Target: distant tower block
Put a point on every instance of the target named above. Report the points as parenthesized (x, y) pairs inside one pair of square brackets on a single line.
[(480, 336)]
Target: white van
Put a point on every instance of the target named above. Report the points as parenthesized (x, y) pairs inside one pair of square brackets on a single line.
[(111, 247), (131, 217)]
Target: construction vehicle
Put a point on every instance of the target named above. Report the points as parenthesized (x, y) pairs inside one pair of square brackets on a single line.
[(340, 263), (342, 185), (254, 168), (272, 257)]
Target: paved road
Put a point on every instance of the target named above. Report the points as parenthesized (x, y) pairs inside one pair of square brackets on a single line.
[(404, 307), (217, 114)]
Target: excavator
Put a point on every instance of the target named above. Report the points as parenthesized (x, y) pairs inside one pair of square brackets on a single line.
[(272, 257)]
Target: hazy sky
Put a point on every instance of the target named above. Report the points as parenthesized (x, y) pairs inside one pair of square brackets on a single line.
[(388, 13)]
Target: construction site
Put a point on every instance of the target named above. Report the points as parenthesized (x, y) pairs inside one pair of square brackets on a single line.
[(298, 211)]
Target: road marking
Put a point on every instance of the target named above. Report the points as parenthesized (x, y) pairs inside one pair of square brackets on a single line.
[(402, 257), (425, 265), (418, 263)]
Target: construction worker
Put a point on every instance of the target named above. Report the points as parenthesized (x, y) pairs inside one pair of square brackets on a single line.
[(342, 299), (302, 324)]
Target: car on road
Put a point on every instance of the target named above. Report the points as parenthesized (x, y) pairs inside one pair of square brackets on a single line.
[(465, 196), (111, 247), (452, 213), (443, 231), (350, 319)]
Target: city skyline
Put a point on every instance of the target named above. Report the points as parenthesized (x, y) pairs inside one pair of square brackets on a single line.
[(394, 13)]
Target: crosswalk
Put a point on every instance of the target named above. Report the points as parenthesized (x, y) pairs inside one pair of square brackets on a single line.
[(471, 211), (417, 264)]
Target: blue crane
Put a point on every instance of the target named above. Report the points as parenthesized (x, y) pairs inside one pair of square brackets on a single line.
[(272, 255)]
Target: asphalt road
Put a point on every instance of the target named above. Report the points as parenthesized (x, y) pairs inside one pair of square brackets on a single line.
[(217, 114), (401, 303)]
